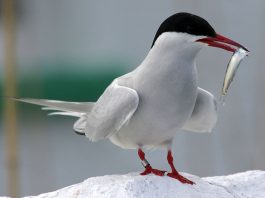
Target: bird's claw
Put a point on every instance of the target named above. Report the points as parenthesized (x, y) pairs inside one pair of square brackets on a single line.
[(179, 177), (148, 170), (174, 174)]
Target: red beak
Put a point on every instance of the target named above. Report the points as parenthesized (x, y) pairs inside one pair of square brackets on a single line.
[(222, 42)]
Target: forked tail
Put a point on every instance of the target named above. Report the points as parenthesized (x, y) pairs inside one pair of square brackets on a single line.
[(75, 109)]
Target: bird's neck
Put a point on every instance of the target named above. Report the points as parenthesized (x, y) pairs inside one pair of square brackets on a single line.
[(172, 51)]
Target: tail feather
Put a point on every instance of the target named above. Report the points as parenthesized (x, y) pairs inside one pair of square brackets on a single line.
[(67, 113), (77, 107)]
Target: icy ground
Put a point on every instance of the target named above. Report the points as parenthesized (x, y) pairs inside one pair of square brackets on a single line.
[(249, 184)]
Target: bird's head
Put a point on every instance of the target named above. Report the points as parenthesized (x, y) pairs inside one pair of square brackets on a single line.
[(194, 31)]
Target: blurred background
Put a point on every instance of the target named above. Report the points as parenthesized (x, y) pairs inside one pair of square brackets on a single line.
[(71, 50)]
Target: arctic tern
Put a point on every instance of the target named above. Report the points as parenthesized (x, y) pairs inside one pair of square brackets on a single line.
[(146, 107)]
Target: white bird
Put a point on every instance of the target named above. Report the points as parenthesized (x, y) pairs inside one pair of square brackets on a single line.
[(146, 107)]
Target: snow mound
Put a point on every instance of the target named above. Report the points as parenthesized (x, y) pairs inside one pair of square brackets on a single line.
[(247, 184)]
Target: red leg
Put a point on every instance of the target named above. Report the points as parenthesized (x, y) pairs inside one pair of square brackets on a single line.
[(148, 167), (174, 173), (145, 163)]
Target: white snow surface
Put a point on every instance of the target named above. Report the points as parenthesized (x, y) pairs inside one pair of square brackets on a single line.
[(250, 184)]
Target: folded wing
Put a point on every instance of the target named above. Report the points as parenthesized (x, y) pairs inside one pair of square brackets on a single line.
[(204, 115), (112, 111)]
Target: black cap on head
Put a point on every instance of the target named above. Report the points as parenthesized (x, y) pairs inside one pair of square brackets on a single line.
[(185, 23)]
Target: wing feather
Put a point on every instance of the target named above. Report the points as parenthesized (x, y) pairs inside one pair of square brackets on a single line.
[(112, 111), (204, 115)]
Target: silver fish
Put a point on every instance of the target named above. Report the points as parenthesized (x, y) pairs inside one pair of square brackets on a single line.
[(232, 67)]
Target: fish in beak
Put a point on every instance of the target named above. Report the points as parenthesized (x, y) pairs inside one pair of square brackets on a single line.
[(239, 53)]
